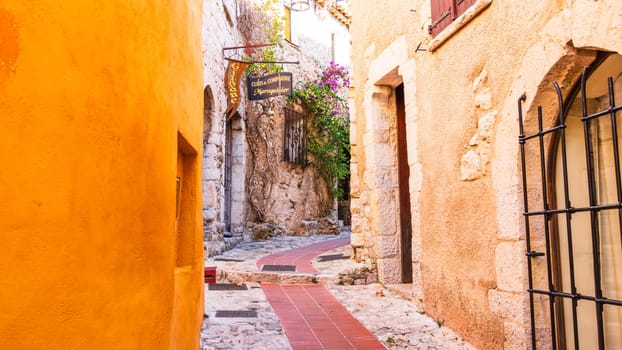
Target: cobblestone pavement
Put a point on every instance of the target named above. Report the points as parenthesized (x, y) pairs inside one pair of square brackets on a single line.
[(392, 318)]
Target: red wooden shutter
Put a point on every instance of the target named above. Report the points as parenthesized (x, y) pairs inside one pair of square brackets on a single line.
[(441, 15), (463, 5), (446, 11)]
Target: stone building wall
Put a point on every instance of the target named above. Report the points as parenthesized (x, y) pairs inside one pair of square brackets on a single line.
[(461, 91), (220, 30), (264, 190), (286, 198)]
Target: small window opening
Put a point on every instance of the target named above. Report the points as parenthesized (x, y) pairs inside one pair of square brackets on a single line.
[(294, 137)]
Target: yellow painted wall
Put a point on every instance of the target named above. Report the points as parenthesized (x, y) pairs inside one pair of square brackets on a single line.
[(93, 95)]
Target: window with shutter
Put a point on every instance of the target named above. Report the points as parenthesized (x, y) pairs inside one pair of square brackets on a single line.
[(287, 26), (294, 137), (446, 11)]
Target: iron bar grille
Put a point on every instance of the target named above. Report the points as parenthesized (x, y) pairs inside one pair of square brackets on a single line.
[(294, 137), (568, 260)]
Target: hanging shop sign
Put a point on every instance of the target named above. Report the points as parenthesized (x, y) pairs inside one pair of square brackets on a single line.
[(233, 74), (278, 84)]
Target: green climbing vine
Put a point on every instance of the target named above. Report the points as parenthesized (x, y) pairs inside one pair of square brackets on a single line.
[(328, 129)]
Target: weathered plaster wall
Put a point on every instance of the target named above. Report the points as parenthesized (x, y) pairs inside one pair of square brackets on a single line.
[(92, 98), (461, 114)]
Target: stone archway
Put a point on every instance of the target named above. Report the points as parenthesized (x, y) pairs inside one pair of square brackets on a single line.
[(564, 65), (235, 177), (579, 243), (566, 72), (211, 172)]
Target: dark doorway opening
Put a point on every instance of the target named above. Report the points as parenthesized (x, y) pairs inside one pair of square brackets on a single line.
[(404, 190)]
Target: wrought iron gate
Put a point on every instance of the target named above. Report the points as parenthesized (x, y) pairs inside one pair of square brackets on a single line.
[(228, 175), (557, 297)]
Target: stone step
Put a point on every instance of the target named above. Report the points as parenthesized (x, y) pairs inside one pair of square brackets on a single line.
[(275, 277)]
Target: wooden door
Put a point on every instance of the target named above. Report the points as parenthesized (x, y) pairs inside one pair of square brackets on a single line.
[(404, 190)]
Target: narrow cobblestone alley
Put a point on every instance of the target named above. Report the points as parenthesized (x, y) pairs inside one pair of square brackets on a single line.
[(311, 174), (268, 316)]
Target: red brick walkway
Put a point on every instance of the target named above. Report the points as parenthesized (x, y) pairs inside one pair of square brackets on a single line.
[(301, 257), (312, 318)]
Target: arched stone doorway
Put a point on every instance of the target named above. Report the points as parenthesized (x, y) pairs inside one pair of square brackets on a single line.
[(587, 249), (234, 177), (570, 142), (210, 170)]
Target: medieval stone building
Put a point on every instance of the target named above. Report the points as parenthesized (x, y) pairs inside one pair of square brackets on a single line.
[(249, 187), (443, 91)]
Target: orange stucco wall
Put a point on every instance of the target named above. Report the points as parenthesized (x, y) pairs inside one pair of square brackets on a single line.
[(92, 97)]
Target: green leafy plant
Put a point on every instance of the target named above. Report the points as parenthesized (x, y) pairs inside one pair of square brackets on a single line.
[(328, 129), (272, 24)]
